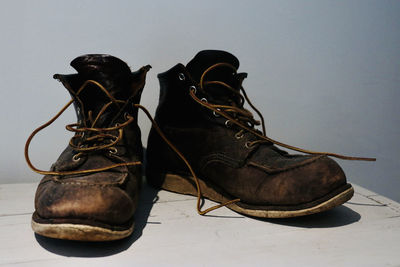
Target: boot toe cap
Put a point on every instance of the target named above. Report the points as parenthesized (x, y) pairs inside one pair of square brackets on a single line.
[(299, 185), (107, 204), (320, 178)]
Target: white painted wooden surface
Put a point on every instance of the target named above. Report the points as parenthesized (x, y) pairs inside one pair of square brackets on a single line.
[(363, 232)]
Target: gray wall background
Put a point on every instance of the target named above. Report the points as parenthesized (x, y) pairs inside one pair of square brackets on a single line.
[(325, 74)]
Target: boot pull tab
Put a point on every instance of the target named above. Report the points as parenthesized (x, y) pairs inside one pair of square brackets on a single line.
[(139, 78), (145, 69), (241, 76), (141, 73)]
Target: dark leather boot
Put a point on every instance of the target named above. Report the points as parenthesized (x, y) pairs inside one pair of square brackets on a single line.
[(201, 113), (91, 191)]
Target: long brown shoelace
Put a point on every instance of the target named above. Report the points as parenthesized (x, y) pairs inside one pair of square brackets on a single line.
[(244, 119), (241, 115), (97, 135), (86, 139)]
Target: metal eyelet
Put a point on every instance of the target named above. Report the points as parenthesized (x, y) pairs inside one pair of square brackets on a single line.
[(216, 114), (239, 135), (204, 100), (181, 76), (193, 88), (117, 124), (76, 157), (113, 150), (126, 114), (248, 145), (228, 123)]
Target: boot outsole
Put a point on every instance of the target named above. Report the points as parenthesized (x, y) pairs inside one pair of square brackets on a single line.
[(186, 185), (79, 232)]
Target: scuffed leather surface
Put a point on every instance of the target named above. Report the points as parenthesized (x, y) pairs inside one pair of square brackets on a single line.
[(261, 175), (110, 196)]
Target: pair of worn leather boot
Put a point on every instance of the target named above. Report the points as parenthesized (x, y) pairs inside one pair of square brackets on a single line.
[(203, 142)]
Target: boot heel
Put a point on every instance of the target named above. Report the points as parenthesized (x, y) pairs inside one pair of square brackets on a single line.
[(172, 182), (177, 183)]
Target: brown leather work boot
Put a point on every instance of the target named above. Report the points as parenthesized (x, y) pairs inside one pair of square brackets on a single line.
[(201, 113), (91, 191)]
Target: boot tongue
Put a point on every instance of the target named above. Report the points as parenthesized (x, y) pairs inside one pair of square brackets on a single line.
[(205, 59), (112, 73), (109, 71), (94, 63)]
